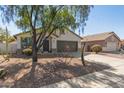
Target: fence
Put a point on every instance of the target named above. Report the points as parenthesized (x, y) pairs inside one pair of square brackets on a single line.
[(12, 47)]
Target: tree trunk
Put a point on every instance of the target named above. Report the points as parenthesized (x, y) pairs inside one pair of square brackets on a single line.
[(34, 55), (82, 55)]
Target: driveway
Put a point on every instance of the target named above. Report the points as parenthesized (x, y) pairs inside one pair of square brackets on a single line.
[(112, 77), (103, 59), (114, 55)]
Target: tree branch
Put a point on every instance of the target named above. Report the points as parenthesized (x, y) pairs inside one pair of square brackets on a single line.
[(40, 45), (35, 19), (39, 37), (30, 17), (53, 17)]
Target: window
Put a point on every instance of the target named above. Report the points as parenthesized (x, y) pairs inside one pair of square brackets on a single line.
[(26, 42)]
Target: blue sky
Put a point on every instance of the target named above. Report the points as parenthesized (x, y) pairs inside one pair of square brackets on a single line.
[(105, 19), (101, 19)]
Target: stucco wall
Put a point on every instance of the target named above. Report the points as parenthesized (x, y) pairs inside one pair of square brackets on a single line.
[(112, 39), (18, 42), (68, 36)]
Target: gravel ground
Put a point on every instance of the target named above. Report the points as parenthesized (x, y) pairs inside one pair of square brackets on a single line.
[(48, 71)]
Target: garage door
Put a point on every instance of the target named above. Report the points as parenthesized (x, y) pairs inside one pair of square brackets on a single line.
[(111, 46), (67, 46)]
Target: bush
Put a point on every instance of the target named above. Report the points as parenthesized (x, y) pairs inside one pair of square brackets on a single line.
[(2, 73), (96, 48), (27, 51)]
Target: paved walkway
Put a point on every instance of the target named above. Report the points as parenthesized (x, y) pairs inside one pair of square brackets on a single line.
[(113, 77)]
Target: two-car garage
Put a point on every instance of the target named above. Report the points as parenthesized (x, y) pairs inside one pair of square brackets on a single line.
[(67, 46), (66, 42)]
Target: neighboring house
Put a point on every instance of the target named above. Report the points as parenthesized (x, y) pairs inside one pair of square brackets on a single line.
[(66, 41), (108, 40)]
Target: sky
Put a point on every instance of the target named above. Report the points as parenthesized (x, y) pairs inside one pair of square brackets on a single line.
[(101, 19), (105, 19)]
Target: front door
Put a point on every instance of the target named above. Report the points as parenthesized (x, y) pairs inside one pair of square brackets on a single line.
[(46, 45)]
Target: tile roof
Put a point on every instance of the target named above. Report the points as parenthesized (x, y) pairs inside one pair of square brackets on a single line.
[(97, 37), (53, 34)]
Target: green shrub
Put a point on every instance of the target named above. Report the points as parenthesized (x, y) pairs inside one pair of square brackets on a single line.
[(27, 51), (96, 48), (2, 73)]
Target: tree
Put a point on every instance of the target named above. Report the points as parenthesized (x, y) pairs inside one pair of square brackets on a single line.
[(6, 41), (2, 35), (11, 39), (6, 38), (47, 19), (82, 54)]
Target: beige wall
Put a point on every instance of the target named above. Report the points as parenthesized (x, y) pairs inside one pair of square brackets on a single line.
[(18, 43), (68, 36), (112, 39)]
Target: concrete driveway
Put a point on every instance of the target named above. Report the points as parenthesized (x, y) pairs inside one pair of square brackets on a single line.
[(112, 61), (112, 77)]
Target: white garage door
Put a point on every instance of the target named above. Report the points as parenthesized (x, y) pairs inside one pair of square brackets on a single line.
[(111, 46)]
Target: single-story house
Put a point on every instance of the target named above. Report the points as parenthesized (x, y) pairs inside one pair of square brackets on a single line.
[(59, 41), (108, 40)]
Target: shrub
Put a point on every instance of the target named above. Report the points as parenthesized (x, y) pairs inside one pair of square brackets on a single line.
[(96, 48), (2, 73), (30, 47), (27, 51)]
